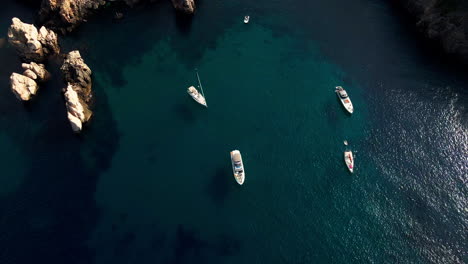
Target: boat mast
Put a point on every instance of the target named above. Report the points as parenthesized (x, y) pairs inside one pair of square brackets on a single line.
[(199, 83)]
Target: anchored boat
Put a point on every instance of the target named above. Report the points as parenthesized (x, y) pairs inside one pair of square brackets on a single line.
[(349, 160), (237, 166), (344, 98), (246, 19), (197, 96)]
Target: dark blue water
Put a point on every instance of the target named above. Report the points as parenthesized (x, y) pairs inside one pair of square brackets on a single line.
[(149, 180)]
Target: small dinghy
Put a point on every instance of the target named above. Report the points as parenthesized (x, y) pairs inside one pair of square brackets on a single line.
[(349, 160), (237, 166), (198, 97), (246, 19), (344, 98)]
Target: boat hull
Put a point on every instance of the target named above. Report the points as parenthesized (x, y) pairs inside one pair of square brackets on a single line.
[(349, 160), (239, 172), (198, 97), (346, 102)]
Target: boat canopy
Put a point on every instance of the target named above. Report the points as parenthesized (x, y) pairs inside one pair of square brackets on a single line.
[(236, 157)]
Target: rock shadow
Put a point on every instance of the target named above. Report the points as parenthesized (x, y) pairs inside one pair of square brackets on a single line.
[(52, 212)]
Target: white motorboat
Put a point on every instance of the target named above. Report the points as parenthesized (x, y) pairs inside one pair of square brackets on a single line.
[(237, 166), (197, 96), (349, 160), (344, 98), (246, 19)]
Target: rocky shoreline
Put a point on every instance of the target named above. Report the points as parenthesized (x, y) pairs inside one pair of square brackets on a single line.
[(445, 22), (34, 46)]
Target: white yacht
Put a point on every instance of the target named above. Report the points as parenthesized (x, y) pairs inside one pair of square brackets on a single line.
[(198, 97), (349, 160), (237, 166), (246, 19), (344, 98)]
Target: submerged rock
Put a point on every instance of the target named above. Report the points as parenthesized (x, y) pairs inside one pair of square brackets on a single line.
[(185, 6), (36, 71), (65, 15), (31, 44), (78, 92), (22, 86)]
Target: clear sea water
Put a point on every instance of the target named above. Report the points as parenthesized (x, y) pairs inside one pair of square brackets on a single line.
[(149, 180)]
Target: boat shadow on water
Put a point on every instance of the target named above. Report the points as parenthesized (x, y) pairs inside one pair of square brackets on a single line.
[(185, 111), (220, 184)]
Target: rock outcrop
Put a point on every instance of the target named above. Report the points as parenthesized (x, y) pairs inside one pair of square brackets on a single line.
[(36, 71), (22, 86), (444, 21), (75, 109), (184, 6), (78, 92), (65, 15), (31, 44)]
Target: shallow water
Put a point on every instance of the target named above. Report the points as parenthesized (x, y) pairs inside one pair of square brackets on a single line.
[(150, 180)]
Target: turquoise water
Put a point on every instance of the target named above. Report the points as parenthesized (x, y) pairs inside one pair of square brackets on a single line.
[(150, 181)]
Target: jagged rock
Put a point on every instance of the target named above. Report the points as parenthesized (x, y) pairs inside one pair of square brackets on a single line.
[(75, 109), (36, 71), (22, 86), (30, 44), (185, 6), (65, 15), (49, 41), (75, 71), (78, 93), (30, 74)]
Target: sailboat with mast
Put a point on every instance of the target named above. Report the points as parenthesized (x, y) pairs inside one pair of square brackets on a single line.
[(197, 96)]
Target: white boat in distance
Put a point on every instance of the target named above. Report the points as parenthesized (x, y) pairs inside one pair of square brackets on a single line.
[(198, 97), (246, 19), (349, 160), (344, 98), (237, 166)]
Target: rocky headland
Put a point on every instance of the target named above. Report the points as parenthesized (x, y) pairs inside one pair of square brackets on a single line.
[(33, 45), (78, 92), (443, 21), (65, 15)]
